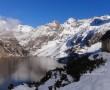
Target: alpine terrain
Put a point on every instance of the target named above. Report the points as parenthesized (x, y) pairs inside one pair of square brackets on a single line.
[(76, 45)]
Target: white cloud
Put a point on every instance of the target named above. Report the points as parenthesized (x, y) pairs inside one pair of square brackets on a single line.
[(8, 24)]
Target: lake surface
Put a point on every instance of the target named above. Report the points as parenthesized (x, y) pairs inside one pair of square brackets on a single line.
[(16, 70)]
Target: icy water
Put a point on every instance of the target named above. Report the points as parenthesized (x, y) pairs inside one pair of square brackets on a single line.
[(16, 70)]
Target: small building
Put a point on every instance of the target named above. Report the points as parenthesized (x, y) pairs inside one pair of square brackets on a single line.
[(106, 41)]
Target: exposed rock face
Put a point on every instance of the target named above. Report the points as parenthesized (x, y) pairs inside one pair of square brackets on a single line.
[(54, 25), (11, 47), (95, 38), (106, 41)]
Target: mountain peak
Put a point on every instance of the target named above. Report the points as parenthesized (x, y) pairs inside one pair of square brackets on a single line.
[(71, 20), (54, 24)]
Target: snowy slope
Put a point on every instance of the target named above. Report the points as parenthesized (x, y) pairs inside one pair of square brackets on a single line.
[(97, 80)]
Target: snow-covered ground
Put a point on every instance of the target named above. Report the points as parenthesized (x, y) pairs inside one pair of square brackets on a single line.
[(24, 87), (99, 79)]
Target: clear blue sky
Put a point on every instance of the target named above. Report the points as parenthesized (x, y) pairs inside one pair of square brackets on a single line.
[(37, 12)]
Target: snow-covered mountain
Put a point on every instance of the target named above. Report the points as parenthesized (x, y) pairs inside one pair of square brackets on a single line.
[(73, 37), (74, 34), (59, 38)]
